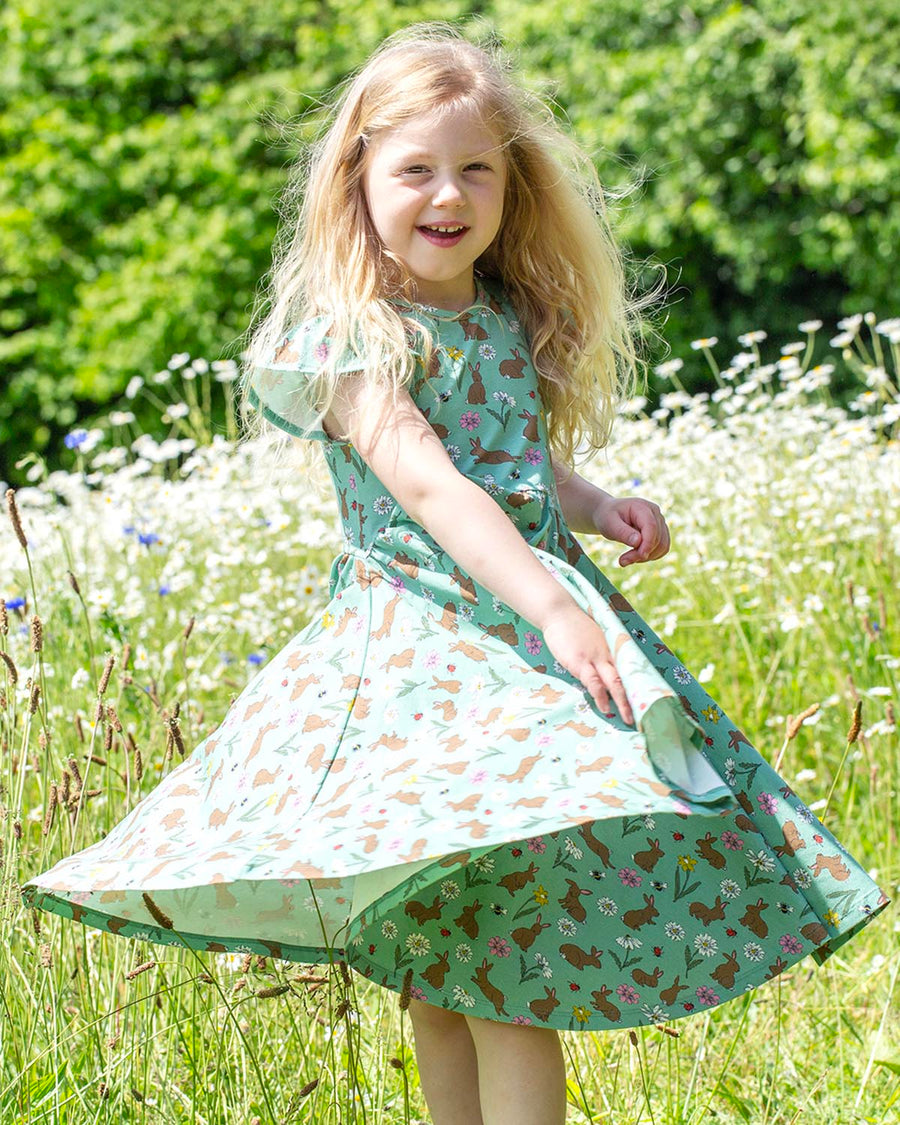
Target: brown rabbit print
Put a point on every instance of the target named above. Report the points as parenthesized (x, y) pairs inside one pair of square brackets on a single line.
[(491, 992), (476, 395), (647, 860), (543, 1009), (634, 919)]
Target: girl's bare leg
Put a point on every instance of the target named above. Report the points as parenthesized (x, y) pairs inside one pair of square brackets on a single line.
[(521, 1073), (448, 1068)]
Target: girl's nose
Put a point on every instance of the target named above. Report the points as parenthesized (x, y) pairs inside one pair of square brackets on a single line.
[(448, 193)]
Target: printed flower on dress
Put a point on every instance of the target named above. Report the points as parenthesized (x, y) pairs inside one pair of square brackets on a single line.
[(761, 861), (418, 944), (581, 1013), (449, 889), (471, 420), (630, 877), (461, 996), (767, 803), (753, 951), (533, 456), (463, 952), (544, 965), (687, 862), (499, 947), (484, 863), (573, 849), (629, 941), (566, 926), (388, 929), (790, 944), (627, 994), (533, 643), (674, 931), (608, 906), (681, 674), (707, 995), (730, 888), (706, 945), (732, 841)]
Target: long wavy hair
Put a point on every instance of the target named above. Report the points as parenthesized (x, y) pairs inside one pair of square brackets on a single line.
[(554, 253)]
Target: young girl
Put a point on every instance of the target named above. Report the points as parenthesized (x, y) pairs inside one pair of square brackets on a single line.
[(478, 775)]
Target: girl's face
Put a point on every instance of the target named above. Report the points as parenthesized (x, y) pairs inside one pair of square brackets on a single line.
[(434, 187)]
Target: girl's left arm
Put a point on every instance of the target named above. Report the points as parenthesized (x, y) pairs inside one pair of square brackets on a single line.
[(631, 520)]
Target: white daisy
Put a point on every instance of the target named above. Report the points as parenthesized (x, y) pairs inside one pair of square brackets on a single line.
[(418, 944), (462, 997)]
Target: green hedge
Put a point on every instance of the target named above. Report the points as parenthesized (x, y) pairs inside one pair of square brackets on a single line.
[(140, 165)]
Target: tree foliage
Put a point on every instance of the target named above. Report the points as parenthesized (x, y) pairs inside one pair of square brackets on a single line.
[(142, 159)]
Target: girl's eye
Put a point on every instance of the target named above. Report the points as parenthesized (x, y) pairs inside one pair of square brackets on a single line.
[(415, 169), (480, 167)]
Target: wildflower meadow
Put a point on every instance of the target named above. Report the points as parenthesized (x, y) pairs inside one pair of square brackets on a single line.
[(143, 586)]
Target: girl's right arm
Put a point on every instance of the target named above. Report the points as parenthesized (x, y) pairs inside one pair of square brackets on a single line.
[(406, 455)]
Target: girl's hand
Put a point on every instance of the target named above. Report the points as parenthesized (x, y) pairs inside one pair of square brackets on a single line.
[(578, 643), (634, 521)]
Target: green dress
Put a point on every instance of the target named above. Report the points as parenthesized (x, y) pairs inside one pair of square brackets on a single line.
[(415, 785)]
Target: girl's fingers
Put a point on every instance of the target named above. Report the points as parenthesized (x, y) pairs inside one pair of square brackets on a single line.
[(603, 681)]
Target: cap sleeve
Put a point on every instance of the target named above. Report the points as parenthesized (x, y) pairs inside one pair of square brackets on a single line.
[(286, 388)]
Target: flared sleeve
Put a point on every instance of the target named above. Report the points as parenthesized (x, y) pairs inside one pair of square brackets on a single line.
[(287, 389)]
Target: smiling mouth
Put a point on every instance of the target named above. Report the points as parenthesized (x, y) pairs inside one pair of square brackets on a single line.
[(447, 234)]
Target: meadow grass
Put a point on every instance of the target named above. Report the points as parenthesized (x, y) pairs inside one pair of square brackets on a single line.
[(142, 590)]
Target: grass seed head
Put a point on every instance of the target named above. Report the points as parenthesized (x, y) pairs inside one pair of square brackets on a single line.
[(107, 671), (10, 666), (406, 991), (797, 722), (4, 619), (853, 732), (138, 969), (37, 634), (308, 1088), (273, 990), (14, 517), (159, 915)]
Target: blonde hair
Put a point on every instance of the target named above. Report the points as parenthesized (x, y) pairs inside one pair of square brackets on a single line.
[(555, 253)]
